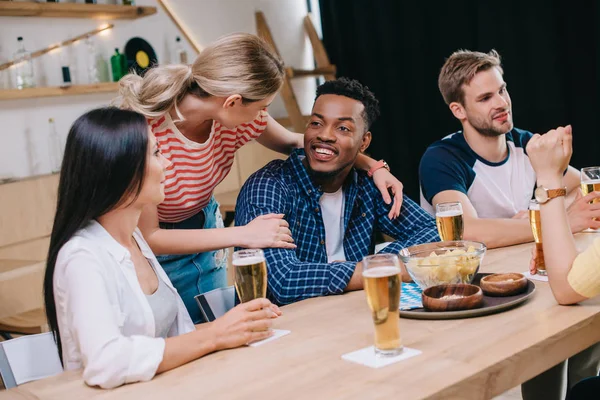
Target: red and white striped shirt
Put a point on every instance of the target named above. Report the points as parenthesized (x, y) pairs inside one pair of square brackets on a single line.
[(197, 168)]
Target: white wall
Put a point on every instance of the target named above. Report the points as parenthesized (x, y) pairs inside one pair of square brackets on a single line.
[(27, 120)]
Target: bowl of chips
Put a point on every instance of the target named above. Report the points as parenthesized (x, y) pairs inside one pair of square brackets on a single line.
[(439, 263)]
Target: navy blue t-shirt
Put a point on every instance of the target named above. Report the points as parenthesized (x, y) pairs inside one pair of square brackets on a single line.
[(496, 190)]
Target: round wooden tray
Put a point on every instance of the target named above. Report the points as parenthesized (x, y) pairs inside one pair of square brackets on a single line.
[(491, 305)]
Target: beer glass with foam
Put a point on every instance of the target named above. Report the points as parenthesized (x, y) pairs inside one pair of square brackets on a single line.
[(250, 274), (449, 220), (536, 228), (381, 275)]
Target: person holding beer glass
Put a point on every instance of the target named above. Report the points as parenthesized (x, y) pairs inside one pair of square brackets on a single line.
[(485, 165), (113, 310), (332, 207), (573, 277)]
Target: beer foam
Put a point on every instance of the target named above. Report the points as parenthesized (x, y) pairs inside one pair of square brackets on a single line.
[(591, 182), (248, 261), (449, 213), (381, 272)]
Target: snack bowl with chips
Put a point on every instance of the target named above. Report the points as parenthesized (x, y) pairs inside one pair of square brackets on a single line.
[(439, 263)]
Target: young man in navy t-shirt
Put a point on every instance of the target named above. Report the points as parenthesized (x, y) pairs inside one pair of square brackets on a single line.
[(485, 165)]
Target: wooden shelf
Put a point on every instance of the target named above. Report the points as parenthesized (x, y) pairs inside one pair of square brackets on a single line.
[(73, 10), (53, 91)]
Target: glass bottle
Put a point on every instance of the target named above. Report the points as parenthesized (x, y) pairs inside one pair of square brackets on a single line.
[(118, 64), (55, 148), (181, 53), (24, 77)]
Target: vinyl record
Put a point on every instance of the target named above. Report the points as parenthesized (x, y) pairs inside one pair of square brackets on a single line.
[(140, 55)]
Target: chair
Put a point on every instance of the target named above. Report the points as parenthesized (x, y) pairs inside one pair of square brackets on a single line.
[(216, 303), (28, 358), (586, 389)]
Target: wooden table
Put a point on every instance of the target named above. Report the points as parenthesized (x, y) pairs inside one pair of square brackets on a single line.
[(462, 359)]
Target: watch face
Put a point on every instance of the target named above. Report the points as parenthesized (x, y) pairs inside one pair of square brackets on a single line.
[(541, 194)]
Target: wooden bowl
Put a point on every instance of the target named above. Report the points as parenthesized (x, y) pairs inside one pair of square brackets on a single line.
[(453, 297), (503, 284)]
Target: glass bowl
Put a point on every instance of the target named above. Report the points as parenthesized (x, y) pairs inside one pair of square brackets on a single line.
[(438, 263)]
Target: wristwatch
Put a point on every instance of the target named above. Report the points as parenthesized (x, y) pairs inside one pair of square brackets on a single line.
[(543, 195), (378, 165)]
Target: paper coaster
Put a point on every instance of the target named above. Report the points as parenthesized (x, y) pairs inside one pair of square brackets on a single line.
[(535, 277), (277, 333), (368, 357)]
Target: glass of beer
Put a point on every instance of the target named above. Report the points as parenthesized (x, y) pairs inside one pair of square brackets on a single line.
[(381, 275), (590, 182), (449, 220), (250, 274), (536, 228)]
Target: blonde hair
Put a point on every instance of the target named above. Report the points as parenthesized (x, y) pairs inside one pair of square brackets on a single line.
[(238, 63), (460, 69)]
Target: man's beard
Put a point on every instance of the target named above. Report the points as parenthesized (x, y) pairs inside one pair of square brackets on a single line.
[(325, 176), (487, 129)]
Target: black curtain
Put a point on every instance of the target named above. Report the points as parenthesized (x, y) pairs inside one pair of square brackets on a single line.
[(550, 52)]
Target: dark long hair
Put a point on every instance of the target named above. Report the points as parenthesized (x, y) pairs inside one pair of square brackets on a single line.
[(103, 166)]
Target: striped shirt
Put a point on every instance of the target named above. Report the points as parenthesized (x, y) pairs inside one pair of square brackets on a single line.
[(197, 168)]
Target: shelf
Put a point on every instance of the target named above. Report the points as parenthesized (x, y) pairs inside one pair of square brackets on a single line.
[(73, 10), (53, 91)]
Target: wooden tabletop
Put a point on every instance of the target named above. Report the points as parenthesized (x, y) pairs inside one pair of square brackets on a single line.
[(473, 358)]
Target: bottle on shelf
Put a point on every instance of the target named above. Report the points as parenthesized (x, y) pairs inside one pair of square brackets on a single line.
[(96, 64), (129, 2), (118, 63), (24, 77), (65, 67), (55, 148), (181, 53)]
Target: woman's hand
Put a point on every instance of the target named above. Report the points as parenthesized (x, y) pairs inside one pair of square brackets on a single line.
[(245, 323), (384, 180), (269, 230), (550, 154)]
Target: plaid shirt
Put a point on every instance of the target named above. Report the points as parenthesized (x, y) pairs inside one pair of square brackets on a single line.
[(285, 187)]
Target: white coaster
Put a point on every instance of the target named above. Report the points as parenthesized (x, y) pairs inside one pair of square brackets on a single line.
[(277, 333), (535, 277), (368, 357)]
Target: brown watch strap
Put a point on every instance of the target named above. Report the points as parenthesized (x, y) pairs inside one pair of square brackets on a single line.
[(552, 193)]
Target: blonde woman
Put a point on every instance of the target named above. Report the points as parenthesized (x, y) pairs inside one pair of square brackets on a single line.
[(201, 114), (573, 276)]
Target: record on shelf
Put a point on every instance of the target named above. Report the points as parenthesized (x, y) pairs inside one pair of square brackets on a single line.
[(140, 55)]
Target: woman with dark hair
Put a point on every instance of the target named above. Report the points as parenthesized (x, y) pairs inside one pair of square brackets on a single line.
[(110, 305)]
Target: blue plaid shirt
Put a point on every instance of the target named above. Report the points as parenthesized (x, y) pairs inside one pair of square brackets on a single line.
[(285, 187)]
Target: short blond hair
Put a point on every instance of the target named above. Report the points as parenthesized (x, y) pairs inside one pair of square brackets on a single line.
[(238, 63), (460, 69)]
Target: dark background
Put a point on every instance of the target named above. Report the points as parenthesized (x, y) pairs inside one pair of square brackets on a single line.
[(550, 54)]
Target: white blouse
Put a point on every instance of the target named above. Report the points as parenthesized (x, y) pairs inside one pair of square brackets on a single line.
[(106, 324)]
